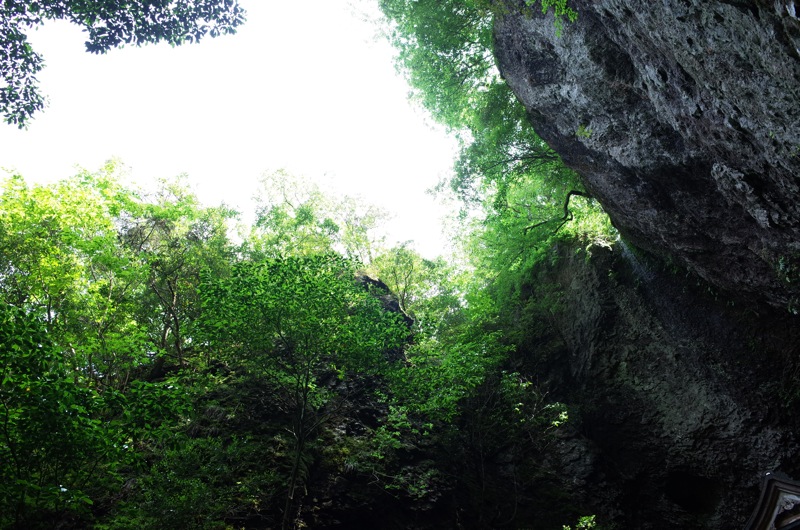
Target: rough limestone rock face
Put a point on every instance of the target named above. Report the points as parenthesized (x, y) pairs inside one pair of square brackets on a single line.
[(679, 401), (683, 118)]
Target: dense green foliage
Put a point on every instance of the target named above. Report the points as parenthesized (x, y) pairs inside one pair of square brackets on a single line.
[(157, 372), (108, 25), (295, 323), (519, 203), (444, 48), (294, 217), (154, 372), (518, 197), (55, 449)]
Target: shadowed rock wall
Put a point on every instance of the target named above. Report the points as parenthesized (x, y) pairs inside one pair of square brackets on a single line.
[(683, 118), (679, 401)]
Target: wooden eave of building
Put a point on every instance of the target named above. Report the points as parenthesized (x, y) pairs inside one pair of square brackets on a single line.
[(778, 507)]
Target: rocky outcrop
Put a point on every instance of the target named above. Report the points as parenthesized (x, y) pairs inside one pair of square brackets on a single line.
[(683, 119), (679, 401)]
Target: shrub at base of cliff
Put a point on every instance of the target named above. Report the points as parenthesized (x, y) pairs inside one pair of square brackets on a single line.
[(498, 451), (204, 483)]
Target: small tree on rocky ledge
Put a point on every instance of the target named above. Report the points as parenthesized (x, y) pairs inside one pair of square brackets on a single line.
[(297, 323)]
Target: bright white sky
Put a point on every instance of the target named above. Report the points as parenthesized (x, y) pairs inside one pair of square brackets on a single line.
[(306, 86)]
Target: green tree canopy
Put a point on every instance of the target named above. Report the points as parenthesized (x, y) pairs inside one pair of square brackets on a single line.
[(53, 446), (152, 372), (174, 238), (516, 192), (294, 217), (445, 50), (296, 322), (108, 24)]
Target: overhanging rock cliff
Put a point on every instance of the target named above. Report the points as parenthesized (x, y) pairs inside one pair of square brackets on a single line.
[(683, 118), (679, 401)]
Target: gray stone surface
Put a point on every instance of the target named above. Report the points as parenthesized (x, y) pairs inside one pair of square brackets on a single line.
[(679, 401), (689, 120)]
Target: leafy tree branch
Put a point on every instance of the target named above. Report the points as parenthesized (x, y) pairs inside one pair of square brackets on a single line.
[(567, 212), (108, 25)]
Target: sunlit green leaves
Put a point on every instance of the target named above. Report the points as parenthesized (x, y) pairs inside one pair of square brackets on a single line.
[(139, 334), (430, 291), (98, 289), (444, 49), (299, 324), (53, 444), (295, 218), (282, 314), (172, 238), (440, 375), (62, 261)]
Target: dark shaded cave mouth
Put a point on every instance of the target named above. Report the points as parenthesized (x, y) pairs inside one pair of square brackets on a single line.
[(695, 494)]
